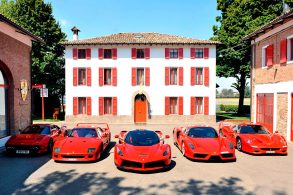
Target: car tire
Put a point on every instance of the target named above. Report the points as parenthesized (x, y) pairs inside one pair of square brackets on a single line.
[(183, 149), (239, 144), (50, 146)]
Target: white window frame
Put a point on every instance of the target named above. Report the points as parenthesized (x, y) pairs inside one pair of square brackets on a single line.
[(289, 49)]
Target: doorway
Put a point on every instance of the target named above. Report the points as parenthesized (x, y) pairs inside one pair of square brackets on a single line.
[(3, 106), (140, 108)]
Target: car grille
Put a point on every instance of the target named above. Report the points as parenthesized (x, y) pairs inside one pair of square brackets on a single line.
[(229, 155), (270, 149), (23, 147), (72, 156), (133, 164), (215, 158), (154, 164), (200, 155)]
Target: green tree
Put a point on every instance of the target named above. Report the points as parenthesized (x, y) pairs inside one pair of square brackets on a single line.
[(239, 18)]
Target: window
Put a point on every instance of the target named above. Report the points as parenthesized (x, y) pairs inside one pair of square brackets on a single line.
[(140, 76), (81, 76), (140, 53), (81, 53), (107, 76), (267, 55), (198, 52), (265, 110), (291, 49), (198, 105), (81, 105), (198, 76), (107, 53), (107, 105), (173, 53), (173, 109), (173, 76)]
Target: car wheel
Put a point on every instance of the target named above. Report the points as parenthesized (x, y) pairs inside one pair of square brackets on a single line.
[(183, 149), (239, 144), (50, 146)]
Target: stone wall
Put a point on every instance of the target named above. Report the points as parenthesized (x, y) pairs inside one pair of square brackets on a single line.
[(282, 113)]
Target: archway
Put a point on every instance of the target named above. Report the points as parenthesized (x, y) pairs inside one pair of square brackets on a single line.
[(3, 104), (140, 108)]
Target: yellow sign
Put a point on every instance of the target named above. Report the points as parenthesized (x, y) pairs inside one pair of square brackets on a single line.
[(23, 89)]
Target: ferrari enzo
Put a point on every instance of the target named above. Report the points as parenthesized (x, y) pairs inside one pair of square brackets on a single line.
[(202, 143), (85, 142), (34, 139), (142, 150), (255, 139)]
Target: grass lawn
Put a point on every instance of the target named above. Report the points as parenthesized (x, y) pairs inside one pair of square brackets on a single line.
[(231, 116), (49, 120)]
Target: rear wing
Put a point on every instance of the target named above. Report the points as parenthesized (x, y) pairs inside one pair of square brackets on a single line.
[(95, 125)]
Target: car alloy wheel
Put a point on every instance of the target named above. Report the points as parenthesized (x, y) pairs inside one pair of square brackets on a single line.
[(239, 144)]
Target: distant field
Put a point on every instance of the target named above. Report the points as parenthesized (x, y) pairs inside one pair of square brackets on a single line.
[(231, 101)]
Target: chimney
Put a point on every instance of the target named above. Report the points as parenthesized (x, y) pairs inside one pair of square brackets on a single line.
[(75, 33)]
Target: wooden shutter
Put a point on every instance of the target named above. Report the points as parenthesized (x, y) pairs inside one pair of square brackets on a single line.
[(133, 76), (283, 51), (206, 76), (101, 76), (147, 53), (75, 71), (114, 78), (133, 53), (101, 106), (101, 53), (192, 76), (89, 106), (180, 53), (75, 102), (88, 53), (206, 105), (167, 53), (181, 76), (206, 53), (147, 76), (192, 53), (114, 53), (74, 53), (180, 105), (167, 105), (269, 55), (167, 75), (88, 77), (114, 105), (192, 105)]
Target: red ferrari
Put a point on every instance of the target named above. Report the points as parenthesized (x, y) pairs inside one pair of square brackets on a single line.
[(255, 139), (203, 143), (34, 139), (142, 150), (85, 142)]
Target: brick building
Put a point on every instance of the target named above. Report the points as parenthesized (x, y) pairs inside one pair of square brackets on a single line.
[(272, 75), (15, 76), (140, 78)]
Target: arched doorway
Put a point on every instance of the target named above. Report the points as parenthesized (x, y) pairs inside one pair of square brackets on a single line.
[(3, 105), (140, 108)]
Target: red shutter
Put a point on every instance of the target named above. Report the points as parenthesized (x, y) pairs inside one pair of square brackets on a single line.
[(75, 102), (167, 53), (133, 53), (192, 53), (147, 76), (114, 73), (206, 76), (88, 76), (114, 53), (180, 105), (192, 76), (206, 105), (283, 51), (167, 105), (88, 53), (192, 105), (101, 54), (114, 105), (75, 70), (180, 53), (269, 55), (133, 75), (147, 53), (167, 75), (74, 53), (89, 106), (181, 76), (101, 106), (101, 72), (206, 53)]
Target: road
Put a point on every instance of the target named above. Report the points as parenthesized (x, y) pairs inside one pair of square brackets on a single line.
[(249, 175)]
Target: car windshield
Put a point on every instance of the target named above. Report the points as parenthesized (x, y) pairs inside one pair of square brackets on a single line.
[(202, 132), (253, 129), (83, 132), (142, 138), (37, 129)]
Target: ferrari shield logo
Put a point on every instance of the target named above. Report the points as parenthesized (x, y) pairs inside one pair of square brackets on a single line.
[(23, 89)]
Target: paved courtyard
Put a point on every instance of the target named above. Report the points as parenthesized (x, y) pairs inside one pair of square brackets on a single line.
[(249, 175)]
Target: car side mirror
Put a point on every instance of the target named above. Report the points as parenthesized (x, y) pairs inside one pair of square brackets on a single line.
[(116, 136), (167, 136)]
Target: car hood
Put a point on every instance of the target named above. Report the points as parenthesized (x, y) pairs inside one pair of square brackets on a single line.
[(77, 145), (139, 152), (210, 145), (264, 139), (26, 138)]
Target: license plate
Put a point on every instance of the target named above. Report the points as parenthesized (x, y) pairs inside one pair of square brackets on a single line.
[(270, 152), (22, 151), (73, 159)]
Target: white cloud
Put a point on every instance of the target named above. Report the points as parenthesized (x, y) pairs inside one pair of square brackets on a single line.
[(63, 22)]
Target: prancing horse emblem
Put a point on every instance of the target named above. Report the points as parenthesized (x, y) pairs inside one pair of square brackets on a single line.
[(23, 89)]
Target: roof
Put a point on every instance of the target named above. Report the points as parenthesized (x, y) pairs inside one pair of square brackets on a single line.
[(141, 38), (279, 20), (21, 29)]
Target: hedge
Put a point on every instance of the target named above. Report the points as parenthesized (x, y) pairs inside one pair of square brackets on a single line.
[(234, 108)]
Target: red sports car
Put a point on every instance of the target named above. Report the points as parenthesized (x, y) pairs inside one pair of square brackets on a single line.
[(142, 150), (85, 142), (203, 143), (34, 139), (255, 139)]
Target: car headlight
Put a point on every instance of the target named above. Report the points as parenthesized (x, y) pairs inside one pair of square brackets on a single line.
[(56, 150), (249, 141), (191, 146), (119, 152), (230, 145), (91, 150), (166, 152)]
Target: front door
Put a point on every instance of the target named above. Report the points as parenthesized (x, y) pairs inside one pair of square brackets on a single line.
[(140, 109)]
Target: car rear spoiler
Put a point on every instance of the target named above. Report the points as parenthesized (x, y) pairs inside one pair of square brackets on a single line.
[(101, 125)]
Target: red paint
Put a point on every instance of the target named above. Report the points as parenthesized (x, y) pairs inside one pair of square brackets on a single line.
[(114, 74), (283, 51), (101, 106), (147, 76), (114, 51), (101, 53), (101, 78), (181, 76), (206, 76), (88, 76), (269, 55), (192, 53), (167, 75), (167, 105), (206, 53), (140, 111), (133, 76)]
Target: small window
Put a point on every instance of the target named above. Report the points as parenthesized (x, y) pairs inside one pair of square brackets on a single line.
[(140, 53), (108, 53), (198, 76), (81, 105), (291, 48), (107, 105), (173, 53), (198, 105), (173, 76), (198, 52), (140, 76), (107, 76), (173, 105), (81, 76), (81, 54)]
